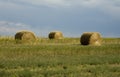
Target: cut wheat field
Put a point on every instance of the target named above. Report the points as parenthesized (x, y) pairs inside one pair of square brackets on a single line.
[(59, 58)]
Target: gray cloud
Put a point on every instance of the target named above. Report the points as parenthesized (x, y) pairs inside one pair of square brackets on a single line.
[(111, 7), (65, 3), (70, 16)]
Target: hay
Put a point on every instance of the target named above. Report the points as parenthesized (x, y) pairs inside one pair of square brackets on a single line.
[(25, 37), (90, 38), (55, 35)]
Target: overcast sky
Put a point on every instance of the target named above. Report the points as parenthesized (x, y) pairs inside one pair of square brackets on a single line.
[(72, 17)]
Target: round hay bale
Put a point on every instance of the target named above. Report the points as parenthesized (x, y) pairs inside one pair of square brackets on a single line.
[(25, 37), (90, 38), (55, 35)]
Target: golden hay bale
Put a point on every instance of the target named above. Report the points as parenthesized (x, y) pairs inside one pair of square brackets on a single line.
[(55, 35), (90, 38), (25, 37)]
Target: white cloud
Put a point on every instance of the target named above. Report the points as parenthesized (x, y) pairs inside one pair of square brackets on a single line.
[(62, 3), (47, 2), (6, 29), (21, 25), (110, 7), (54, 3), (10, 27)]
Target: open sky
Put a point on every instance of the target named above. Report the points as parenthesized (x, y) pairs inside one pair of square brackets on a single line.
[(72, 17)]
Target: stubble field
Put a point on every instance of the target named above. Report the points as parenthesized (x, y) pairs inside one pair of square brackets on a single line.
[(59, 58)]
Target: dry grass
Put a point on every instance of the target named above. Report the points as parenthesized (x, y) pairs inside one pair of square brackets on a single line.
[(59, 58)]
